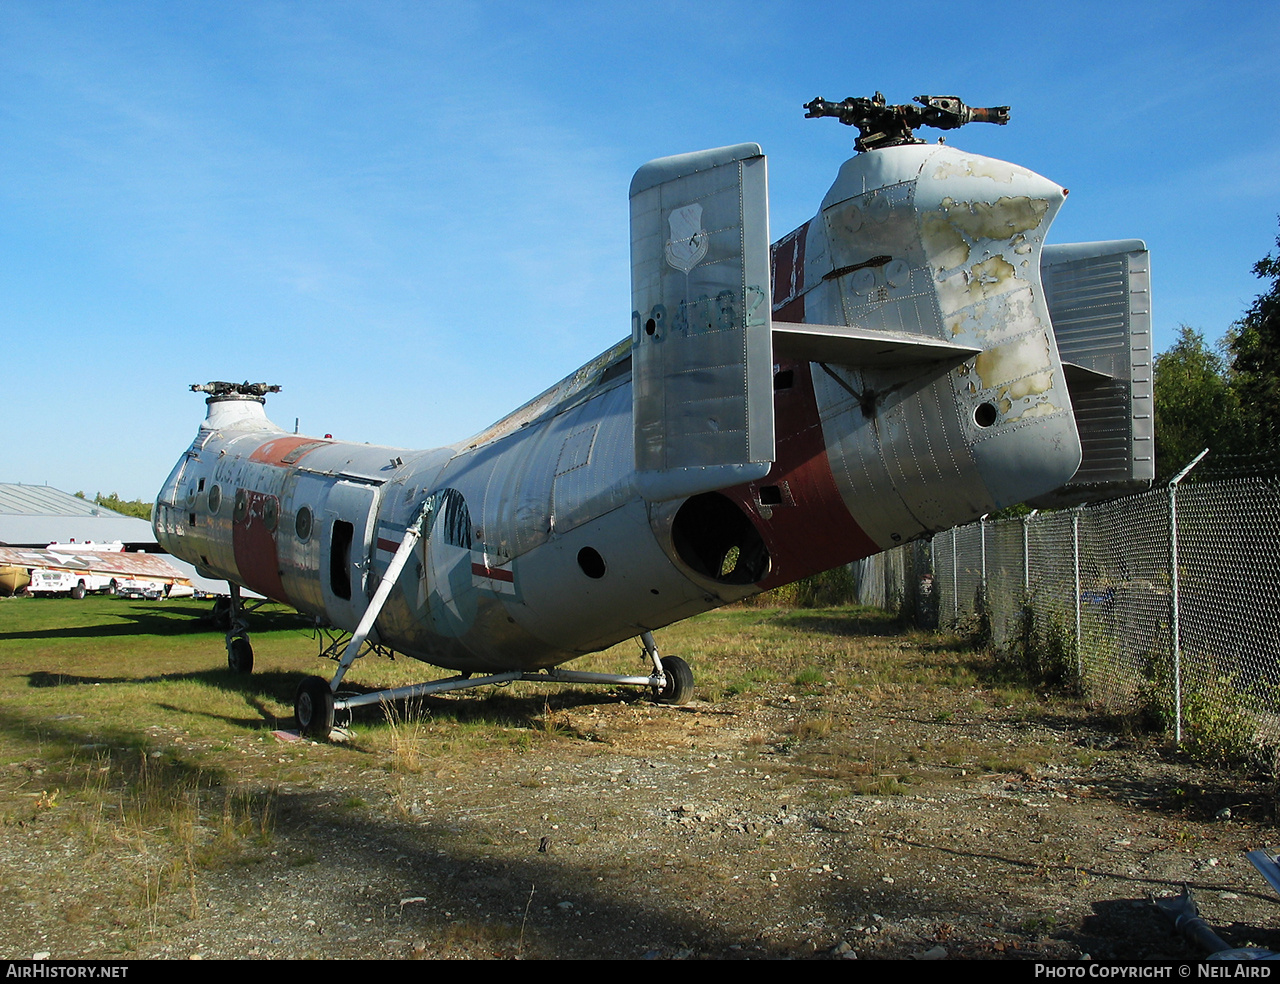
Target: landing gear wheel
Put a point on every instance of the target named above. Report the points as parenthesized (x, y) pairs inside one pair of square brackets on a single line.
[(239, 655), (313, 707), (679, 688)]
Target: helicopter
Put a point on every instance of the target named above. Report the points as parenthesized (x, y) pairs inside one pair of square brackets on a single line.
[(911, 358)]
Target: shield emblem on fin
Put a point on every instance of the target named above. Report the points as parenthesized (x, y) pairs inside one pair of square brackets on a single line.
[(688, 243)]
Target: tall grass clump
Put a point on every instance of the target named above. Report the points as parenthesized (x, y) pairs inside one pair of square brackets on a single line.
[(407, 724)]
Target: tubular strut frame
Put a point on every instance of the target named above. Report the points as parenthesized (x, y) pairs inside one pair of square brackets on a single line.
[(333, 643), (412, 534), (657, 680)]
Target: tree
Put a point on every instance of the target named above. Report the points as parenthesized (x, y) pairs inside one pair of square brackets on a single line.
[(1224, 400), (1255, 347), (130, 507), (1196, 404)]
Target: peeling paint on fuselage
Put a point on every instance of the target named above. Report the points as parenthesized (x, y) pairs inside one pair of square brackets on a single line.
[(969, 231), (999, 220), (979, 167), (1013, 360)]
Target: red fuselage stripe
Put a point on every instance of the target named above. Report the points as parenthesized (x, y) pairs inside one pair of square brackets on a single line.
[(254, 545), (493, 573), (275, 450)]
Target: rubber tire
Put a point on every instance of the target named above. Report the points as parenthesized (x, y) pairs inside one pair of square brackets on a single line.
[(240, 655), (78, 592), (679, 688), (112, 588), (313, 707)]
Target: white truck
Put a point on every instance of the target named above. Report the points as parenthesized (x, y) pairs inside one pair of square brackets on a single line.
[(76, 583), (74, 579)]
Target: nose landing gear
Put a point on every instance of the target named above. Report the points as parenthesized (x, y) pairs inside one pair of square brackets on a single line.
[(239, 650)]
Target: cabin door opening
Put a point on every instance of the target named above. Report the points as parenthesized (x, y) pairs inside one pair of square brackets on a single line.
[(340, 559), (348, 540)]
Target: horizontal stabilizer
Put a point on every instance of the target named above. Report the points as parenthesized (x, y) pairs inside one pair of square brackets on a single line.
[(853, 346), (1082, 378)]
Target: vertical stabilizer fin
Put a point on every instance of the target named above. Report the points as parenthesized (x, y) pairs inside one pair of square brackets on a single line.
[(700, 322)]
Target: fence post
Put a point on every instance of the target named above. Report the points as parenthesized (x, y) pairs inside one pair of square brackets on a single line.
[(933, 584), (982, 584), (1174, 614), (1026, 551), (1075, 563), (955, 580), (982, 535)]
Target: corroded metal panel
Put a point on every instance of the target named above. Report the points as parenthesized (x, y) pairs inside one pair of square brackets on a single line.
[(933, 241), (700, 321)]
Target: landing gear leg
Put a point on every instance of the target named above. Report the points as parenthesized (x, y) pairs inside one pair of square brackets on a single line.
[(314, 705), (318, 702), (239, 651), (678, 676)]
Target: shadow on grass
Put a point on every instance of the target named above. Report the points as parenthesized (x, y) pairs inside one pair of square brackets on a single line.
[(258, 691), (853, 622), (526, 713), (490, 705), (161, 619), (433, 878), (267, 684)]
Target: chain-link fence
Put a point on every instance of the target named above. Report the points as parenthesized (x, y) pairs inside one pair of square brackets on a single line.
[(898, 580), (1164, 604)]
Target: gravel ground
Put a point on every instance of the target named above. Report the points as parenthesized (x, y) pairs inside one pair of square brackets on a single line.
[(885, 822)]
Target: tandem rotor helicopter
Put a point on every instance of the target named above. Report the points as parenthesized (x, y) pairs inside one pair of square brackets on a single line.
[(911, 358)]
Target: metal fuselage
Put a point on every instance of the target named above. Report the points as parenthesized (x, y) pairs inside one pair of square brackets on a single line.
[(540, 546)]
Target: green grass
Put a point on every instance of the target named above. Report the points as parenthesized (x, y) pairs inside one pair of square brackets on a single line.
[(741, 650), (122, 718), (123, 675), (94, 670), (124, 732)]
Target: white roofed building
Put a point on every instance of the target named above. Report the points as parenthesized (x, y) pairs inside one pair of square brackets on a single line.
[(37, 515)]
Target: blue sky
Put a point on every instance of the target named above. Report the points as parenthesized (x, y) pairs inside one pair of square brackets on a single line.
[(413, 215)]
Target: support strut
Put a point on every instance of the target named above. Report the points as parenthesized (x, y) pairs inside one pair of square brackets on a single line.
[(316, 702), (412, 534)]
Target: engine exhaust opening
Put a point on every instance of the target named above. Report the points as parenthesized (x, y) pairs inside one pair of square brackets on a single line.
[(715, 538)]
